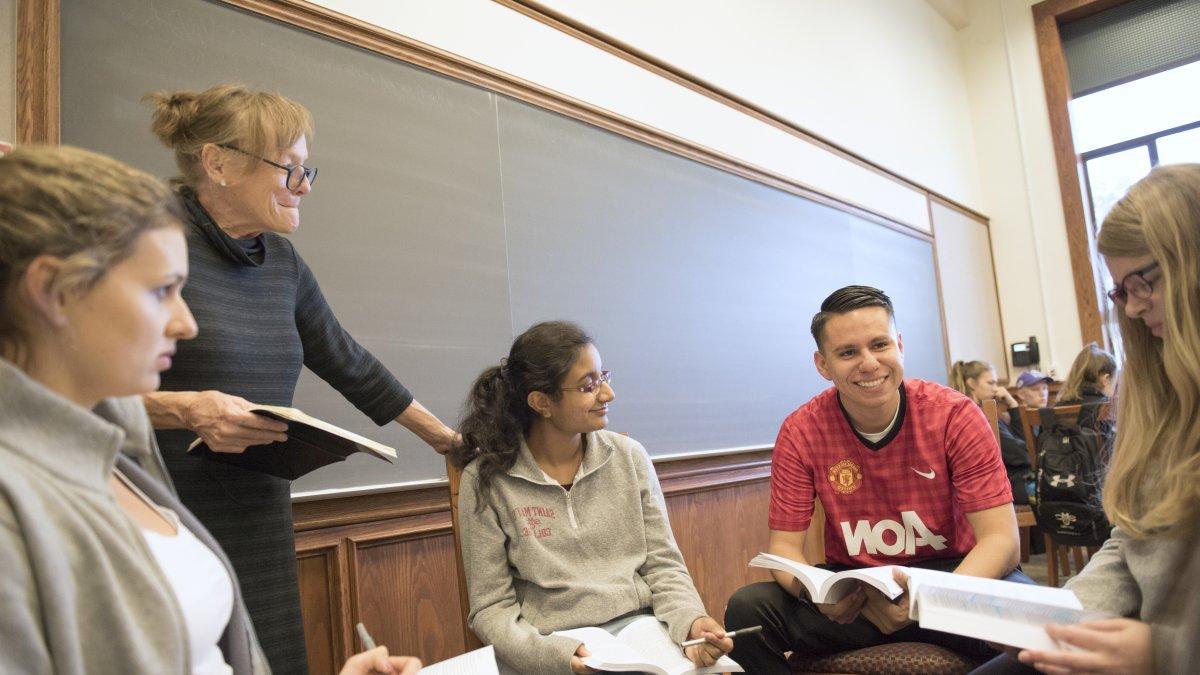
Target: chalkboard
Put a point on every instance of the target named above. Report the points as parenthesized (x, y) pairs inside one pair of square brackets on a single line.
[(448, 219)]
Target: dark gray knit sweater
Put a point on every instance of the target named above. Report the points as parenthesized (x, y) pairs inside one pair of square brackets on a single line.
[(261, 316)]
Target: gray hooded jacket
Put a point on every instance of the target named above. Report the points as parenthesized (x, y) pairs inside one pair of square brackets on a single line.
[(540, 558), (80, 590)]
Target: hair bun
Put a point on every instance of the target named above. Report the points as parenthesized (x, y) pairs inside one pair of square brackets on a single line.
[(173, 115)]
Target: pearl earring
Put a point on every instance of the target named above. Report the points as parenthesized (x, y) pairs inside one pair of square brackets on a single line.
[(546, 415), (222, 182)]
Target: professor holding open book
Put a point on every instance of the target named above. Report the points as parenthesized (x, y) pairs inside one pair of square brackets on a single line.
[(262, 317), (908, 473)]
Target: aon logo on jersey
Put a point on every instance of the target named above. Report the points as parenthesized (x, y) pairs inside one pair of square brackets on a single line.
[(904, 537)]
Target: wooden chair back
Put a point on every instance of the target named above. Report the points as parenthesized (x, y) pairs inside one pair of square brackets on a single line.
[(454, 474), (1025, 518)]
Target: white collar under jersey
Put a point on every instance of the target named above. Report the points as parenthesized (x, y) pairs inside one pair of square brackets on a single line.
[(875, 438)]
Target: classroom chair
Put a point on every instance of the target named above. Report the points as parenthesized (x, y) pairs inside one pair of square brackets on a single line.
[(454, 475), (1059, 558), (1025, 518)]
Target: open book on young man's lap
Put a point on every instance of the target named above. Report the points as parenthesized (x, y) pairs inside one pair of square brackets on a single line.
[(641, 646)]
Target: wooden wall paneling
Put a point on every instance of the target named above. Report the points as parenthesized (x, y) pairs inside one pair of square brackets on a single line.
[(324, 604), (1047, 17), (37, 71), (718, 531)]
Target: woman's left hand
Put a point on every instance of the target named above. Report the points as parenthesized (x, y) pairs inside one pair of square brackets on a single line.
[(715, 643), (1110, 646)]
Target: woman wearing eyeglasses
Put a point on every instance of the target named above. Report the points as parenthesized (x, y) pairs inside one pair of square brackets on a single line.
[(1151, 244), (262, 316), (562, 523)]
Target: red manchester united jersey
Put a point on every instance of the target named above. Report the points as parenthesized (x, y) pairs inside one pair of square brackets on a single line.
[(897, 502)]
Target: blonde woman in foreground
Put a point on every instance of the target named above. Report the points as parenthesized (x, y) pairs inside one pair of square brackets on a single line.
[(1151, 244), (104, 570)]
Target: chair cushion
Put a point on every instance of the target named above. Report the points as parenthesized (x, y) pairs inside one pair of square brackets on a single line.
[(899, 658)]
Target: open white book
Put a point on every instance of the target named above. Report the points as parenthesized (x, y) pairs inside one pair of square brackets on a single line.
[(990, 609), (479, 662), (642, 646), (825, 587)]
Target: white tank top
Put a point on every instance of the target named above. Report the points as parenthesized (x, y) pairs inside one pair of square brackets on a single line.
[(201, 585)]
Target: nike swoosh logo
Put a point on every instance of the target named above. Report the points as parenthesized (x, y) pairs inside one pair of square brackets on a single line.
[(923, 474)]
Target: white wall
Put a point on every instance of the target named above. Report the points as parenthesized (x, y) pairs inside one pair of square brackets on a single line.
[(8, 70), (1019, 178), (882, 78)]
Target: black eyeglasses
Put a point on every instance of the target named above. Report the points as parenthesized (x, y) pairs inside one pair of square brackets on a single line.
[(1135, 284), (591, 387), (296, 173)]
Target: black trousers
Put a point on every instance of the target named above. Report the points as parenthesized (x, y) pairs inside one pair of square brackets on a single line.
[(794, 625)]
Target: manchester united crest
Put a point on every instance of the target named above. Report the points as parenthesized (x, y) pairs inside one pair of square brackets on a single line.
[(846, 477)]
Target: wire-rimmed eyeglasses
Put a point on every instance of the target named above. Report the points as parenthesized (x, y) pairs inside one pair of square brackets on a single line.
[(594, 385)]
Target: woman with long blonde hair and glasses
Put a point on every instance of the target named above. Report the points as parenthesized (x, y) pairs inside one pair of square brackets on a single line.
[(1151, 244)]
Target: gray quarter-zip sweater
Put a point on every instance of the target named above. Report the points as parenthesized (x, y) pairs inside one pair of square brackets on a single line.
[(540, 558), (80, 591)]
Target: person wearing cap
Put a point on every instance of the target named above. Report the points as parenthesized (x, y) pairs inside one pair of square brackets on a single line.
[(1033, 389)]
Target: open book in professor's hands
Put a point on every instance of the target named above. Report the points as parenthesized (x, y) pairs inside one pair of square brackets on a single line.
[(311, 444)]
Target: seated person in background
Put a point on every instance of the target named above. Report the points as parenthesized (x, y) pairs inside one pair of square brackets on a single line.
[(104, 570), (977, 380), (1033, 391), (563, 524), (908, 472), (1091, 382)]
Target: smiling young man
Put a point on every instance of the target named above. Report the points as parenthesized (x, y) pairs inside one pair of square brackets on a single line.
[(908, 473)]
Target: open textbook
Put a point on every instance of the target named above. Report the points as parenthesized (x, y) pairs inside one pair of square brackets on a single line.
[(827, 587), (642, 646), (479, 662), (988, 609), (311, 444)]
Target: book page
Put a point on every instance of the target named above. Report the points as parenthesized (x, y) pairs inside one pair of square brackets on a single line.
[(479, 662), (609, 653), (295, 415), (649, 637), (991, 609), (879, 577), (812, 578)]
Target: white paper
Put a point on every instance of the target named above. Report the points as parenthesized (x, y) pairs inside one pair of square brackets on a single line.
[(643, 645), (479, 662)]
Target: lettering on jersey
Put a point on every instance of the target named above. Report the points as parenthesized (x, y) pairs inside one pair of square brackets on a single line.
[(906, 537), (846, 477), (533, 516)]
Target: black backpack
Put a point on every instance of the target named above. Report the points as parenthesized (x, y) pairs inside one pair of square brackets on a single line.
[(1071, 460)]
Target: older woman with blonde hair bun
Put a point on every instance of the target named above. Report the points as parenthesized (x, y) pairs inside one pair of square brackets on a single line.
[(262, 316), (104, 570)]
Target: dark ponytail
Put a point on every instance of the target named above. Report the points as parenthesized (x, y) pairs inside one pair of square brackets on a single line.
[(496, 414)]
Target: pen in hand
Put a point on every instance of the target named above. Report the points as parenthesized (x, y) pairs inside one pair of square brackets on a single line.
[(368, 643), (731, 634)]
